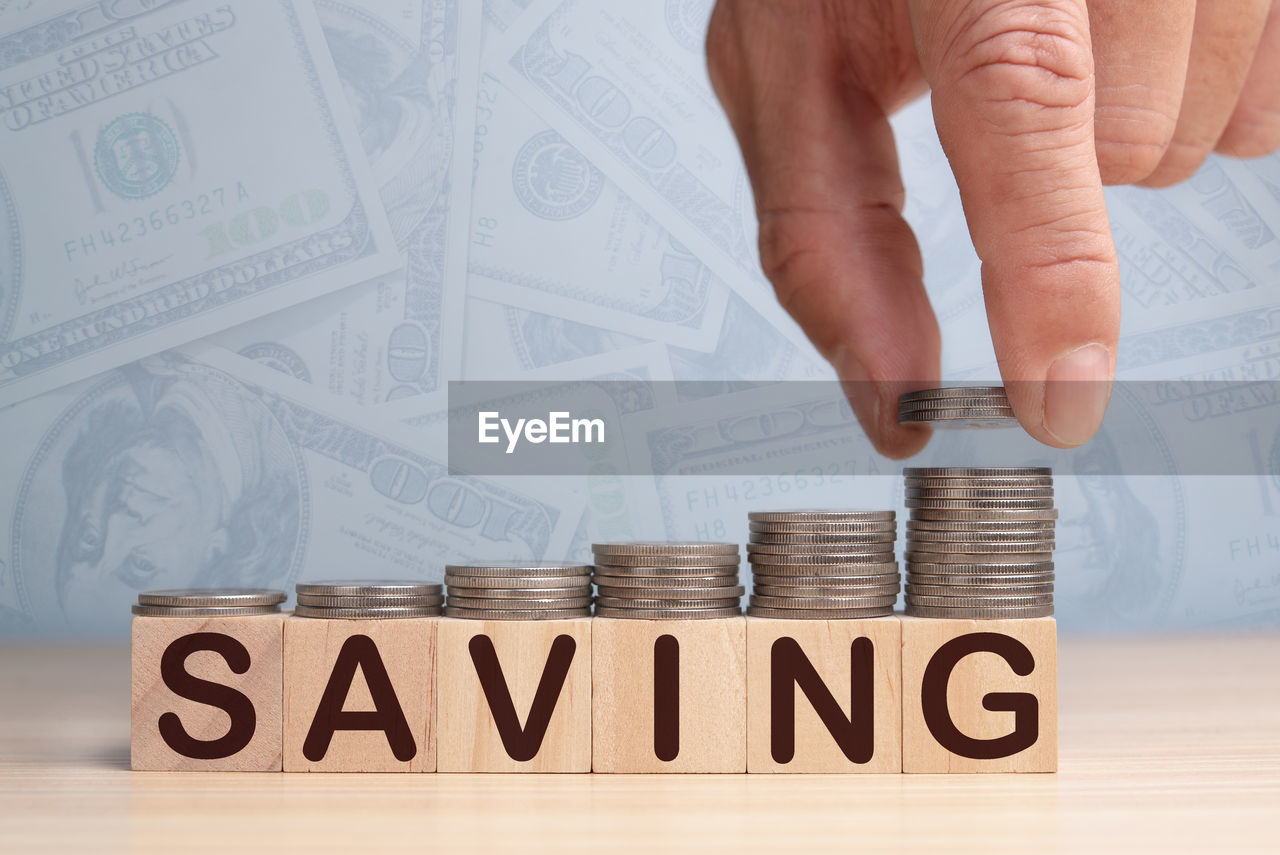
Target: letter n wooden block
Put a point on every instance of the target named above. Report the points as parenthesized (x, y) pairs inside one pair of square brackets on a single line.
[(824, 695), (979, 695), (359, 695), (669, 695), (206, 693), (515, 696)]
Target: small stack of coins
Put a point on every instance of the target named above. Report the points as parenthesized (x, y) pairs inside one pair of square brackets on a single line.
[(209, 602), (518, 590), (368, 599), (958, 407), (823, 565), (656, 581), (980, 542)]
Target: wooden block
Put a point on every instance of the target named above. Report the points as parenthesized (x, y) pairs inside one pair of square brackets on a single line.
[(669, 695), (824, 695), (515, 696), (979, 695), (206, 693), (359, 695)]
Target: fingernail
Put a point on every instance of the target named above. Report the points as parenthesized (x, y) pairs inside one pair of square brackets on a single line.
[(1076, 391)]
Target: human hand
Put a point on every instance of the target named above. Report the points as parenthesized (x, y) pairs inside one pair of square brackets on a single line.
[(1038, 103)]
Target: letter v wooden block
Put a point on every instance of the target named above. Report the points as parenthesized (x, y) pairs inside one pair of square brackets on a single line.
[(206, 693), (359, 695), (515, 696), (979, 695), (824, 695)]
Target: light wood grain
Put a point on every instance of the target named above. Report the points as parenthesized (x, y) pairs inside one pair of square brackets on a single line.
[(826, 645), (407, 650), (973, 678), (711, 694), (1167, 745), (469, 740), (260, 636)]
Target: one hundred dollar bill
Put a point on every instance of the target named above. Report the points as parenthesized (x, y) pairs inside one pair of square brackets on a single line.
[(153, 190)]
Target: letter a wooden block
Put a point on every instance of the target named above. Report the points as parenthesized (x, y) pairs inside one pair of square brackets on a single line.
[(979, 695), (359, 695), (515, 696), (669, 695), (206, 693), (824, 695)]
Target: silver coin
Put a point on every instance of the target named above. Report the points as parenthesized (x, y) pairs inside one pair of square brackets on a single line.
[(1021, 547), (768, 602), (979, 602), (828, 539), (881, 547), (980, 504), (916, 590), (984, 515), (369, 587), (818, 516), (818, 614), (620, 581), (980, 569), (980, 526), (204, 611), (953, 392), (935, 557), (638, 603), (760, 571), (323, 601), (883, 526), (729, 571), (516, 614), (954, 482), (656, 547), (860, 581), (1020, 613), (212, 597), (518, 569), (518, 605), (515, 583), (1013, 535), (717, 593), (956, 404), (976, 471), (861, 591), (980, 580), (574, 592), (667, 614), (842, 558), (1017, 493), (367, 613), (994, 414), (700, 561)]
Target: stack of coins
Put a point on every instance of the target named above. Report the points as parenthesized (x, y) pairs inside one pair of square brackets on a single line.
[(980, 542), (823, 565), (518, 590), (209, 602), (958, 407), (656, 581), (368, 599)]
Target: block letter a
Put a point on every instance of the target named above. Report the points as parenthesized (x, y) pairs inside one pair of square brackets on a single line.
[(522, 743), (789, 668), (359, 651)]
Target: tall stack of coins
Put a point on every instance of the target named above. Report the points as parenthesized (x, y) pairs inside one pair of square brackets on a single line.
[(655, 581), (518, 590), (368, 599), (958, 407), (823, 565), (980, 542), (209, 602)]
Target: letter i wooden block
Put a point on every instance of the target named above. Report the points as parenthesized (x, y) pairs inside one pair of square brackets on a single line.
[(206, 693), (979, 695), (359, 695), (669, 695), (515, 696), (824, 695)]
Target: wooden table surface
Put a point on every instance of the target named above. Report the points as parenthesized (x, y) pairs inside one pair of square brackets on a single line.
[(1167, 744)]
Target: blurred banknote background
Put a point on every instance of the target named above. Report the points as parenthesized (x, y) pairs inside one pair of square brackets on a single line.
[(246, 244)]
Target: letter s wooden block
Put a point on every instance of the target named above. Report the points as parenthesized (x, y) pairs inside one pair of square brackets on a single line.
[(824, 695), (979, 695), (359, 695), (515, 696), (206, 693)]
